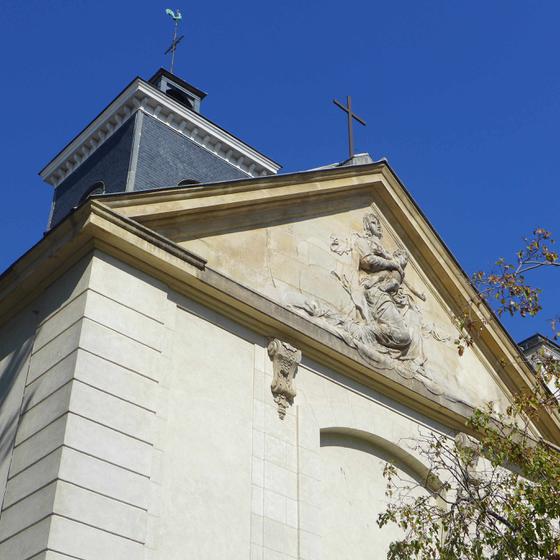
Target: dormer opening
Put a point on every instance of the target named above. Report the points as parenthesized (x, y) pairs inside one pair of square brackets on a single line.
[(97, 188), (179, 90), (188, 183), (181, 97)]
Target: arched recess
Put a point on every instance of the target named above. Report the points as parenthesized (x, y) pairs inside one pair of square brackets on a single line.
[(96, 188), (353, 491), (188, 183), (403, 459)]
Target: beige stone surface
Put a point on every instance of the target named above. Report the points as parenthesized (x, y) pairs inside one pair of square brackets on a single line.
[(151, 425), (293, 261), (206, 445)]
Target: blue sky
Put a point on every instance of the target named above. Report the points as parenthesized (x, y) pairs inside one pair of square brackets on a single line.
[(463, 98)]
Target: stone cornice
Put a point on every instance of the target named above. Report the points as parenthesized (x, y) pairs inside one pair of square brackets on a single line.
[(142, 96), (95, 226)]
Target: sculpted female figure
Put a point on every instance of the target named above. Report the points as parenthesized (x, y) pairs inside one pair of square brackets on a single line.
[(382, 279), (388, 321)]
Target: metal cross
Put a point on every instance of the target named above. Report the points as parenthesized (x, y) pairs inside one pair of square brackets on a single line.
[(176, 17), (351, 115)]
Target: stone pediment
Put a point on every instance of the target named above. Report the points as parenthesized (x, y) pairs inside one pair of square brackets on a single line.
[(348, 250)]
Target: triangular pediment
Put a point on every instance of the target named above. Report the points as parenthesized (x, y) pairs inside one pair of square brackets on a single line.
[(349, 251)]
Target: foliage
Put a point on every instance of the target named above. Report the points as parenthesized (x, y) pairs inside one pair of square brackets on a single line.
[(496, 497)]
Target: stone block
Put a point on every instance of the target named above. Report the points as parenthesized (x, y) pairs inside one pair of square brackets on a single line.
[(258, 444), (31, 479), (108, 445), (48, 382), (111, 411), (292, 457), (55, 350), (123, 319), (257, 472), (259, 386), (321, 258), (258, 415), (281, 241), (280, 538), (309, 463), (65, 289), (27, 543), (286, 269), (99, 511), (274, 506), (275, 450), (128, 286), (310, 490), (50, 555), (280, 480), (119, 349), (39, 445), (269, 554), (32, 509), (260, 356), (104, 478), (309, 518), (283, 429), (47, 411), (59, 321), (257, 500), (256, 552), (310, 546), (89, 543), (116, 380), (256, 529)]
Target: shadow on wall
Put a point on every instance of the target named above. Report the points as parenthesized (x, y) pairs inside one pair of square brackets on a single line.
[(10, 409)]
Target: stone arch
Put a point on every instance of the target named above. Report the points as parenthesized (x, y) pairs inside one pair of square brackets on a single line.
[(352, 489), (405, 460)]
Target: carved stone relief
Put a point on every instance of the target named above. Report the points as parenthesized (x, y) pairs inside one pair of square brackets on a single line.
[(285, 360), (385, 325)]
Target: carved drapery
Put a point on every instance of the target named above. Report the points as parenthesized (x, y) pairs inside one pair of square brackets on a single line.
[(386, 325), (285, 359)]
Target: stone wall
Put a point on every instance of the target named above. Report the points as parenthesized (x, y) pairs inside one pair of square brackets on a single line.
[(79, 473), (153, 427), (300, 258)]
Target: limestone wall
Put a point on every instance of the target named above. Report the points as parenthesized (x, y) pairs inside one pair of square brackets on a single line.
[(78, 484), (303, 256), (236, 480), (150, 430)]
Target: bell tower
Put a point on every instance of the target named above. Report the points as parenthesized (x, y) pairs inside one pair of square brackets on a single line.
[(151, 136)]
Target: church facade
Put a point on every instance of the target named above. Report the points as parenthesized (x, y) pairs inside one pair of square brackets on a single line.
[(205, 358)]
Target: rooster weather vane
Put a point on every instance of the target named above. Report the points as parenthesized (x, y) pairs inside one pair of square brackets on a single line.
[(176, 17)]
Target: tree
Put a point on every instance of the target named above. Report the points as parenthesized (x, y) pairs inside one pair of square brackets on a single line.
[(496, 496)]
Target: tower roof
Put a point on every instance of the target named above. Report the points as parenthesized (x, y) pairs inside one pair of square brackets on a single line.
[(173, 102)]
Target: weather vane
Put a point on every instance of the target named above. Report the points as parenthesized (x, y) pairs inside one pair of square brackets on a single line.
[(351, 115), (176, 17)]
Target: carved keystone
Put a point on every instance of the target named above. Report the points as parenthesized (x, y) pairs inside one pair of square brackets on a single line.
[(285, 359)]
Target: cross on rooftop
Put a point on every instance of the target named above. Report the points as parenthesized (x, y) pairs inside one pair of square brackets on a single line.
[(176, 17), (348, 110)]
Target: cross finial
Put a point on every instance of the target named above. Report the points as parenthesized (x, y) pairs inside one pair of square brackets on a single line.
[(176, 17), (351, 115)]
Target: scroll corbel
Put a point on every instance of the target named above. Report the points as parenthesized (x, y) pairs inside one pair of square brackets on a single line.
[(285, 360)]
